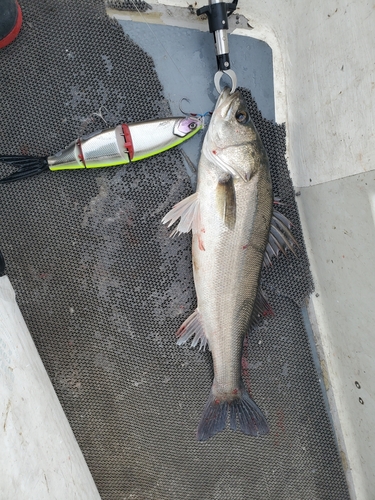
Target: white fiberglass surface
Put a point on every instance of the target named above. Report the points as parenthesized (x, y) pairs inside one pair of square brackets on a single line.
[(39, 455)]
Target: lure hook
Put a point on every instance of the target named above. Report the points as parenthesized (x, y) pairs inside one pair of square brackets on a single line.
[(180, 108), (100, 114)]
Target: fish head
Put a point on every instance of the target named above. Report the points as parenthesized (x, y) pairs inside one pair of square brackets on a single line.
[(232, 142)]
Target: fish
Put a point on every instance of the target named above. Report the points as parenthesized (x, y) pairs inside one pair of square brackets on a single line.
[(230, 215)]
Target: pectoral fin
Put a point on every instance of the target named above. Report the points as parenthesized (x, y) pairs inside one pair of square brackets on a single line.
[(187, 210), (226, 200)]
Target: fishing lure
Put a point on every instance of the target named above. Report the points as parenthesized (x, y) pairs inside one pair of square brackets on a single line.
[(106, 148)]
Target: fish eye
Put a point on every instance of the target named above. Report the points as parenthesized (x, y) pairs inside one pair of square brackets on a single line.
[(192, 125), (242, 116)]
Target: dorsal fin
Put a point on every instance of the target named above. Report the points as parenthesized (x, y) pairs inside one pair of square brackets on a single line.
[(280, 238)]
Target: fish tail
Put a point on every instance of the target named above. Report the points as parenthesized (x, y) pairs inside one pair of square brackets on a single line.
[(243, 412)]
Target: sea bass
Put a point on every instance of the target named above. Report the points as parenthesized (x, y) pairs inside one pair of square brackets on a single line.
[(230, 217)]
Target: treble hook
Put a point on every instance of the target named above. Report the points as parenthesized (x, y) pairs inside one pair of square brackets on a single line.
[(199, 115), (100, 114)]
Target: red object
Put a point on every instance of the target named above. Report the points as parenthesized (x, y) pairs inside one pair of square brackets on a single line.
[(11, 35), (80, 154), (128, 140)]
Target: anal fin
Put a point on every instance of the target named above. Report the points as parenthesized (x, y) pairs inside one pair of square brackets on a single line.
[(192, 327), (261, 308)]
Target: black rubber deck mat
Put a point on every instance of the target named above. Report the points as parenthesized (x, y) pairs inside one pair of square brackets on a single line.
[(103, 289)]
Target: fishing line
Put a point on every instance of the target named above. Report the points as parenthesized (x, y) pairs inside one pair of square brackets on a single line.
[(202, 117)]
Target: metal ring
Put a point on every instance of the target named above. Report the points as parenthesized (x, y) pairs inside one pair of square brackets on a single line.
[(232, 75)]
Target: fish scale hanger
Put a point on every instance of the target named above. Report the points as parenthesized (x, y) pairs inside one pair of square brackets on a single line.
[(217, 13)]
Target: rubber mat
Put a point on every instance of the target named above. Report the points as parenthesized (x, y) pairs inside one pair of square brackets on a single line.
[(103, 289)]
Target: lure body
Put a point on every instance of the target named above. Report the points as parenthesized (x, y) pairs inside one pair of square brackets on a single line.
[(107, 148), (124, 143)]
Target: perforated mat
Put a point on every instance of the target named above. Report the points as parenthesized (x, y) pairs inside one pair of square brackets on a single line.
[(103, 289)]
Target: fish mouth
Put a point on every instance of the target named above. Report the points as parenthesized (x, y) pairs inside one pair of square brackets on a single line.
[(225, 101)]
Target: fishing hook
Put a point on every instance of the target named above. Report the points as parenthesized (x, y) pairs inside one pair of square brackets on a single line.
[(180, 108), (100, 114)]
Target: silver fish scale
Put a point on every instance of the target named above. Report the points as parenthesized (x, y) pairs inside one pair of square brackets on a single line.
[(227, 265), (103, 289)]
